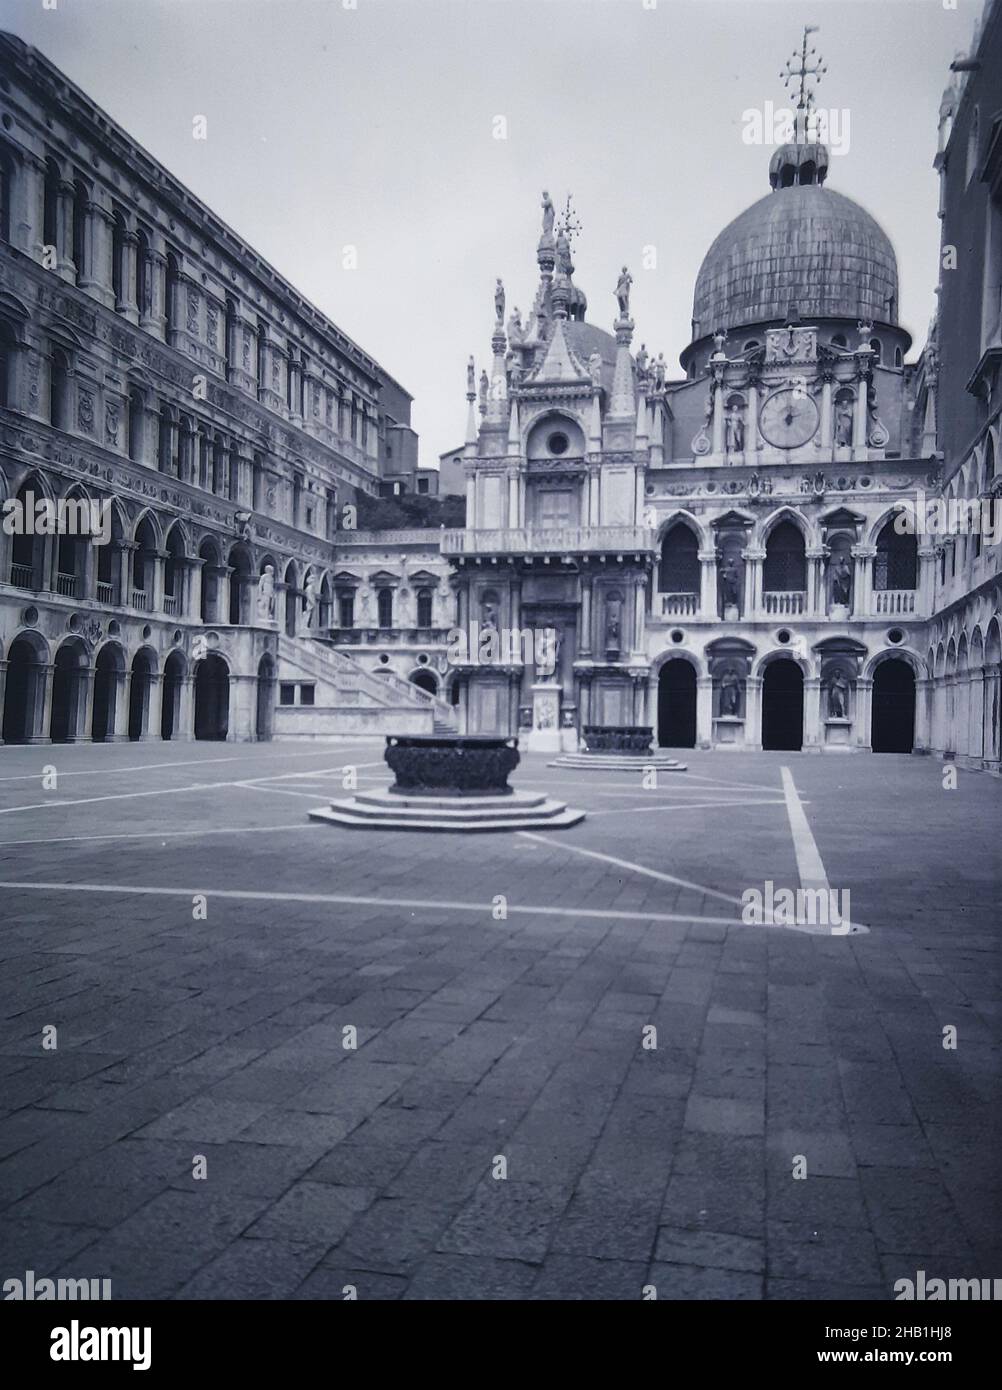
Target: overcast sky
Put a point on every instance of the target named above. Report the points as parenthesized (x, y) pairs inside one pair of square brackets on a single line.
[(375, 126)]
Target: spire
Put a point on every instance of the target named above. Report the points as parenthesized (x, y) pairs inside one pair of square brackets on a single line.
[(622, 404), (804, 159), (471, 414), (802, 75)]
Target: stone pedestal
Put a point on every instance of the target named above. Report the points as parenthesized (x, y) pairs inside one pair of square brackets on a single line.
[(546, 734), (838, 735), (728, 731)]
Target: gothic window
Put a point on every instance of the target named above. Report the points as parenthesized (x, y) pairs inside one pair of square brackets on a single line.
[(679, 570), (81, 199), (896, 562), (346, 609), (384, 605), (424, 606), (878, 349), (785, 568)]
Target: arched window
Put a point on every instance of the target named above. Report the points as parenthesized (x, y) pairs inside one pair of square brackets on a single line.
[(218, 466), (346, 608), (258, 497), (81, 201), (165, 441), (785, 567), (679, 569), (839, 340), (384, 605), (989, 460), (424, 608), (896, 562), (898, 359), (137, 421), (59, 390), (751, 344), (8, 354), (144, 274), (143, 562), (230, 336), (172, 280), (878, 349), (6, 193), (50, 208), (118, 260)]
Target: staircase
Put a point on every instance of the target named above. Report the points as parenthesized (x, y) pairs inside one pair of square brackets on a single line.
[(348, 699)]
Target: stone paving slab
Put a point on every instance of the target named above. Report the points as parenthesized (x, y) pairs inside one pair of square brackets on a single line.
[(494, 1126)]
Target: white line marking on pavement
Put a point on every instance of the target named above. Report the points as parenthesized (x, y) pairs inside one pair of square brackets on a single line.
[(148, 767), (339, 900), (199, 832), (810, 865), (675, 806), (628, 864)]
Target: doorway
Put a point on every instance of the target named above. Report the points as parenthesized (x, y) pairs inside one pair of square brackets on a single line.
[(677, 705), (783, 706)]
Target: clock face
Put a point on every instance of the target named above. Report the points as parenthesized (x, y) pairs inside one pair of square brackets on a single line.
[(788, 419)]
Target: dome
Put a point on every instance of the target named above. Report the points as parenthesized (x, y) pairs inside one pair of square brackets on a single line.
[(805, 245)]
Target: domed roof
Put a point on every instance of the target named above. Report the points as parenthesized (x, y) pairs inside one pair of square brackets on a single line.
[(585, 339), (804, 245)]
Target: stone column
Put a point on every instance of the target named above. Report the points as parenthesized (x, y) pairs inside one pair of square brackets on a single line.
[(594, 494), (639, 603), (993, 700), (584, 635), (513, 500), (704, 711), (185, 730), (813, 730), (40, 713), (125, 553), (27, 230), (926, 581), (98, 240), (816, 605), (708, 584), (753, 712), (859, 421), (64, 231), (83, 715), (154, 320), (862, 584), (752, 596), (751, 424), (826, 412), (471, 503), (864, 704), (923, 700), (718, 419), (129, 305)]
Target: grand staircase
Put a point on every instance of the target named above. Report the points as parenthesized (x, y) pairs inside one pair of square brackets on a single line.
[(348, 699)]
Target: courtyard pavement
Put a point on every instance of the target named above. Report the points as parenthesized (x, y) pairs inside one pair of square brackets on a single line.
[(507, 1125)]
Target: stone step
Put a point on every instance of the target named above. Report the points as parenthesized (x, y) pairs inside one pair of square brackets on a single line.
[(460, 815), (623, 762)]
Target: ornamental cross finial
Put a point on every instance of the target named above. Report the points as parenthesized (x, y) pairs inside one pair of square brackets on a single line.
[(569, 223), (801, 75)]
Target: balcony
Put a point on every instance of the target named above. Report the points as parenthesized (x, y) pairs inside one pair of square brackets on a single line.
[(893, 601), (783, 603), (544, 540), (22, 576), (141, 599), (105, 592), (67, 585), (679, 605), (172, 605), (389, 636)]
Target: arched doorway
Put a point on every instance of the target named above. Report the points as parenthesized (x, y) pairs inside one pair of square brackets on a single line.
[(783, 706), (677, 705), (170, 699), (23, 693), (107, 669), (139, 695), (265, 698), (67, 693), (425, 680), (212, 699), (893, 719)]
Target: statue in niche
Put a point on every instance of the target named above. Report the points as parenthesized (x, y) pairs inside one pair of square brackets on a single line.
[(730, 582), (730, 694), (266, 595), (838, 695), (548, 214), (843, 422), (613, 621), (499, 301), (841, 580), (734, 428), (623, 292), (488, 614), (309, 600)]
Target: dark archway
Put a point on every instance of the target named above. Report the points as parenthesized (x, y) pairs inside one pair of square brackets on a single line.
[(265, 698), (783, 706), (22, 692), (893, 720), (785, 566), (291, 601), (67, 693), (107, 669), (425, 680), (212, 699), (170, 699), (139, 695), (677, 705)]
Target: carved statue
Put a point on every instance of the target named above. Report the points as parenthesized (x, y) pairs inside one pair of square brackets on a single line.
[(613, 621), (843, 422), (515, 330), (595, 369), (838, 695), (730, 693), (499, 301), (642, 359), (734, 427), (623, 292), (309, 600), (865, 331), (553, 643), (488, 615), (730, 582), (266, 594), (485, 387), (548, 214), (841, 580), (719, 339), (660, 368)]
